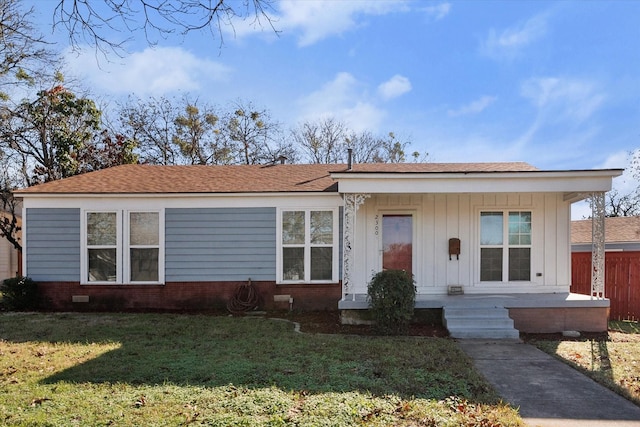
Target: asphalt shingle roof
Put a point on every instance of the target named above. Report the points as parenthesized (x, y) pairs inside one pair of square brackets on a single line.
[(154, 179), (617, 230)]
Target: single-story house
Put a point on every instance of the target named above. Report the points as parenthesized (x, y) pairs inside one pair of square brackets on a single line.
[(10, 263), (479, 238)]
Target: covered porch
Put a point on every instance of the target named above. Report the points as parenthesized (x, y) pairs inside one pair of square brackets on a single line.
[(454, 206)]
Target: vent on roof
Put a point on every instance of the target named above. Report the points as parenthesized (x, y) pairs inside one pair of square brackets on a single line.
[(349, 158), (282, 159)]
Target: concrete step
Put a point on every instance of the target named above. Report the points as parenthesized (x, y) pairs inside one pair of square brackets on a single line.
[(475, 322), (476, 311), (479, 323)]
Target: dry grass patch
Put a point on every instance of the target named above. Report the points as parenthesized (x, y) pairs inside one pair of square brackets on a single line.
[(611, 359)]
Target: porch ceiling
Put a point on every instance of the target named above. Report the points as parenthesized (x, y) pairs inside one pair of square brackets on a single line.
[(570, 182)]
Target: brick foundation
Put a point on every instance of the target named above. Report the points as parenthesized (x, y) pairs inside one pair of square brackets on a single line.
[(549, 320), (182, 296)]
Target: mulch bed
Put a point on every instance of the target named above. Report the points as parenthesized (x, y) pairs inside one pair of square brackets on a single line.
[(328, 322)]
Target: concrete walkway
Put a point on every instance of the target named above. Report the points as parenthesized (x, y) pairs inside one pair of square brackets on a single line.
[(547, 391)]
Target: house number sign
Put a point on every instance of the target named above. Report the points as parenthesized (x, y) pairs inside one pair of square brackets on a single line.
[(376, 228)]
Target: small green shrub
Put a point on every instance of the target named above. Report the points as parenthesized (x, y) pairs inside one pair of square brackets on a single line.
[(19, 293), (392, 297)]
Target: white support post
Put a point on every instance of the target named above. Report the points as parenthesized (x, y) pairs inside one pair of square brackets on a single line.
[(352, 202), (597, 244)]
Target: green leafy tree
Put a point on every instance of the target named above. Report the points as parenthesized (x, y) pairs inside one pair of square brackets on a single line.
[(393, 151), (197, 135), (106, 150), (44, 136)]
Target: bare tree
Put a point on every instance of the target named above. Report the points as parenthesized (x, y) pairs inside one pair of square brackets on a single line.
[(327, 141), (24, 56), (89, 22), (151, 124), (254, 134), (322, 141), (628, 204), (365, 147), (617, 204)]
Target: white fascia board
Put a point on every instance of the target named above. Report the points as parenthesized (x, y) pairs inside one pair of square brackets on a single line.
[(206, 200), (571, 181)]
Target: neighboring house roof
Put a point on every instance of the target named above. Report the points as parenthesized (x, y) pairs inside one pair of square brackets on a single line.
[(151, 179), (617, 230)]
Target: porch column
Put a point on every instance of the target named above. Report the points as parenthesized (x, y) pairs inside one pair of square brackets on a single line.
[(597, 244), (352, 202)]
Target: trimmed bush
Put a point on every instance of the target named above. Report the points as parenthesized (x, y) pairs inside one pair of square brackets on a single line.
[(392, 297), (19, 293)]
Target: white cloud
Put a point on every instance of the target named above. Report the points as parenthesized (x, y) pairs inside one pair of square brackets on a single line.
[(394, 87), (152, 71), (564, 98), (319, 19), (344, 98), (508, 43), (473, 107), (438, 11)]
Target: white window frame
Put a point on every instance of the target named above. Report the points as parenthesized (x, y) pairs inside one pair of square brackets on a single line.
[(307, 245), (123, 262), (505, 246)]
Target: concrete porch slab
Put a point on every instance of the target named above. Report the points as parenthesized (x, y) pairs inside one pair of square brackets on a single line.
[(550, 300)]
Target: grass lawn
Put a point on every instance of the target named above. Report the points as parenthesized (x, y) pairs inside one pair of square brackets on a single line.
[(163, 369), (611, 359)]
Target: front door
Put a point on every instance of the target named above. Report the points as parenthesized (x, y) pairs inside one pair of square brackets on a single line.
[(397, 242)]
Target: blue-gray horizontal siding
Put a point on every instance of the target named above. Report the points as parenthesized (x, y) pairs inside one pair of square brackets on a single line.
[(220, 244), (53, 244)]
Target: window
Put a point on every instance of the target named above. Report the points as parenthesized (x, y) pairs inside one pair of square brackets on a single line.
[(499, 255), (122, 247), (102, 247), (144, 246), (308, 249)]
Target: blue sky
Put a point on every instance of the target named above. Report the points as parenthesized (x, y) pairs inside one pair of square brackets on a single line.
[(556, 84)]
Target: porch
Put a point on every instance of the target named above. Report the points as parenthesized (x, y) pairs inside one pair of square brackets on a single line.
[(551, 300), (531, 313)]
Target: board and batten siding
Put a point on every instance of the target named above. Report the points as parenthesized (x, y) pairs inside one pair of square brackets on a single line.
[(439, 217), (220, 244), (53, 244)]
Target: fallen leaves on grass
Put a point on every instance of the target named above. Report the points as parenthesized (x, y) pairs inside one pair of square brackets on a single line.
[(39, 401)]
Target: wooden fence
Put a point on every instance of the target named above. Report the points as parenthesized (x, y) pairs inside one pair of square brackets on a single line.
[(621, 281)]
